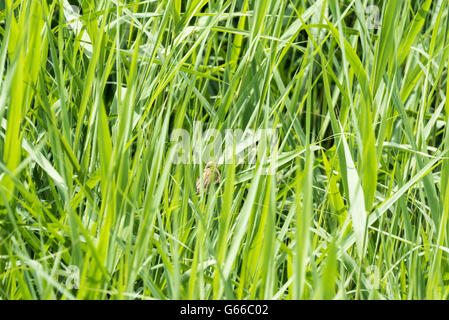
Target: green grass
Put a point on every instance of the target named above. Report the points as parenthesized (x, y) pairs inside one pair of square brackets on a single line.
[(91, 195)]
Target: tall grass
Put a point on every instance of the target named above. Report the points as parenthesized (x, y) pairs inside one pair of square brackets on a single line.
[(94, 205)]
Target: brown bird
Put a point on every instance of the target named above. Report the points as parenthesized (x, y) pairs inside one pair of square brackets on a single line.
[(211, 168)]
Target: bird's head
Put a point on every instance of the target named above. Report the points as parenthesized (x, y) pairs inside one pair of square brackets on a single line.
[(211, 165)]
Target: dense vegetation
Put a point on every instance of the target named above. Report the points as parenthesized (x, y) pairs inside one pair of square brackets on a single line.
[(351, 203)]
